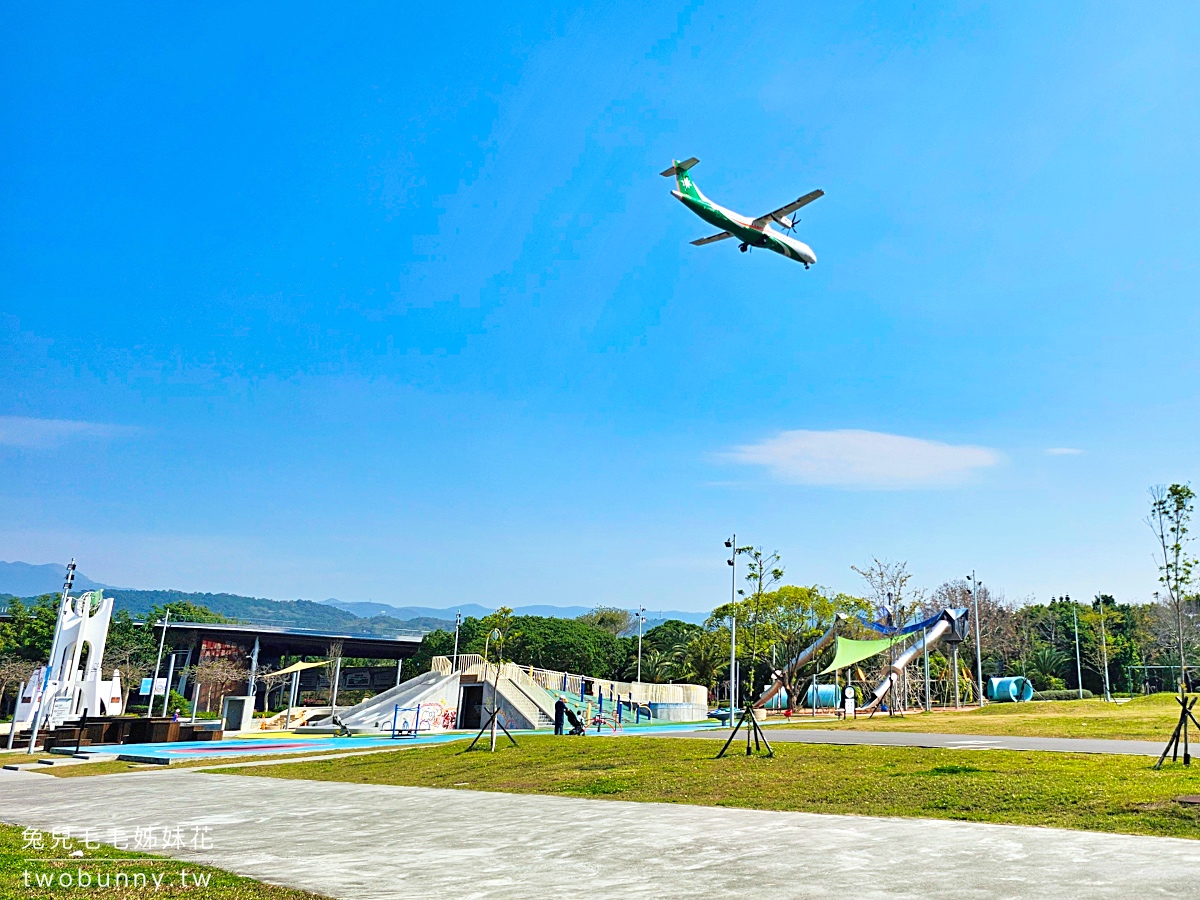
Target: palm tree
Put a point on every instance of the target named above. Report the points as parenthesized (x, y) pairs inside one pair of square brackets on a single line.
[(704, 658), (657, 665), (1045, 668)]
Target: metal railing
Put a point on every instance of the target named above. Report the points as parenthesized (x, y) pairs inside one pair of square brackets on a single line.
[(519, 699), (443, 665), (529, 678)]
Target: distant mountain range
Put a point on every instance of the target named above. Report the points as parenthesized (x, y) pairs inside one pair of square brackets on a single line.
[(370, 608), (365, 617), (25, 580)]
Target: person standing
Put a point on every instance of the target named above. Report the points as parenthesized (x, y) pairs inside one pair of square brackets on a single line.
[(560, 712)]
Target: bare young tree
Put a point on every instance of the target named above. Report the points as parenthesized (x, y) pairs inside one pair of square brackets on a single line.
[(1170, 511), (998, 626), (13, 670), (763, 573), (218, 674), (334, 666), (890, 593), (130, 661)]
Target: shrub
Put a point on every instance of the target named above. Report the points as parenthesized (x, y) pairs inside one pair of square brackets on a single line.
[(1062, 695)]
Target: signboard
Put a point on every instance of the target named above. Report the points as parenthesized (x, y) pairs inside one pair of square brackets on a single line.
[(160, 687)]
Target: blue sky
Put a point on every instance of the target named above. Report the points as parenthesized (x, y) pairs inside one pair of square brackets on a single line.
[(391, 303)]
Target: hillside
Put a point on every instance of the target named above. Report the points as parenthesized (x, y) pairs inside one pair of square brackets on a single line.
[(283, 613), (260, 611), (21, 579), (371, 608)]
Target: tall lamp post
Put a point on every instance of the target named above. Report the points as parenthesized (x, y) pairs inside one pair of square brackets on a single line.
[(457, 625), (641, 622), (166, 623), (978, 641), (1078, 667), (732, 562), (1104, 652)]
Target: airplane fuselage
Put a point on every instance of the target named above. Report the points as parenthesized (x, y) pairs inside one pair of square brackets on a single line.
[(744, 229)]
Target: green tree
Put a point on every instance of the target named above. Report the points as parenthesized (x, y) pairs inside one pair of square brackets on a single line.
[(764, 571), (1044, 668), (131, 649), (30, 631), (563, 645), (705, 659), (1170, 512), (792, 618), (617, 622), (500, 621), (669, 634), (658, 665)]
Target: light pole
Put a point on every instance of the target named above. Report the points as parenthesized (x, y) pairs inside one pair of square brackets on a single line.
[(732, 562), (1104, 652), (641, 622), (978, 641), (158, 662), (457, 625), (1078, 667)]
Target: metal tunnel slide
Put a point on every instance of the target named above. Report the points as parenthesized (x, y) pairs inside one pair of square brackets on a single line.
[(944, 626)]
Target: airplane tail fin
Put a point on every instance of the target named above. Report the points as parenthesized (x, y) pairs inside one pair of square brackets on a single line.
[(682, 178)]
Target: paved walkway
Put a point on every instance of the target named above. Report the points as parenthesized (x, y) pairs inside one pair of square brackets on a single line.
[(948, 741), (371, 841)]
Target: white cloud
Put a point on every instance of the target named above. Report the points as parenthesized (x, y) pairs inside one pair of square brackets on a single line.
[(1063, 451), (869, 459), (22, 431)]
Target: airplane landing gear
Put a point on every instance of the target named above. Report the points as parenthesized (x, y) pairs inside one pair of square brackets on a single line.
[(744, 247), (806, 265)]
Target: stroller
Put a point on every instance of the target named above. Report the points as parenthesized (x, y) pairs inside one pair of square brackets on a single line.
[(576, 725)]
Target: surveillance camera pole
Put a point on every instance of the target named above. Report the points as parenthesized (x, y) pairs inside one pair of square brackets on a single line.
[(732, 561), (641, 622)]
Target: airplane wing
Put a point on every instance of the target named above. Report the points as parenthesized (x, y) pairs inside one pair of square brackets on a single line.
[(712, 238), (782, 214)]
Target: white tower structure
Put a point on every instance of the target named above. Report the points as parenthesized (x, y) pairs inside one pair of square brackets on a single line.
[(70, 685)]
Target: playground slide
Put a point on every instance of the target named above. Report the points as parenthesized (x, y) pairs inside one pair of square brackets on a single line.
[(802, 658), (896, 670), (375, 713)]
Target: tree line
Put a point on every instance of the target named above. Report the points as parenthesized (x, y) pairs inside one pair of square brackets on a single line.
[(1114, 642)]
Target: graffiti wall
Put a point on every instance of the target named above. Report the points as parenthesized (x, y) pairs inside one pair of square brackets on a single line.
[(435, 715)]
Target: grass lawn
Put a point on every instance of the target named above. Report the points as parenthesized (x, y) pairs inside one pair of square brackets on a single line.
[(1089, 792), (1149, 718), (17, 863), (20, 756), (117, 767)]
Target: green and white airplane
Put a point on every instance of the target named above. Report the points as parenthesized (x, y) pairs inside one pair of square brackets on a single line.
[(752, 232)]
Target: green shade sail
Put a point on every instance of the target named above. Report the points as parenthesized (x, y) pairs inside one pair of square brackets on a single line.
[(847, 652)]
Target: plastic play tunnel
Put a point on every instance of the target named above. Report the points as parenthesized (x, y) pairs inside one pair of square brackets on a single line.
[(1009, 690), (828, 696)]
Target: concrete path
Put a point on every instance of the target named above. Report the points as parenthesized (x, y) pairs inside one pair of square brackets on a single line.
[(948, 741), (369, 841)]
